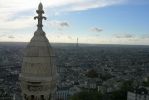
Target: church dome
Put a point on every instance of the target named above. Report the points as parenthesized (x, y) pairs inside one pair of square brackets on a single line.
[(38, 72), (38, 60), (38, 56)]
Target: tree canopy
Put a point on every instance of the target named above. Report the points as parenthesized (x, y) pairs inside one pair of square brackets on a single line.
[(87, 95)]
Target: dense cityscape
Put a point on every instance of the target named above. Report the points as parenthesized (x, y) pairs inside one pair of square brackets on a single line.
[(109, 72), (79, 50)]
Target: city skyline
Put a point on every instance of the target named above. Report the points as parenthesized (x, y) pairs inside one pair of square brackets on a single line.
[(92, 21)]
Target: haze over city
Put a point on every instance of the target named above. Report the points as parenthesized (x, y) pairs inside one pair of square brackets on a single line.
[(92, 21)]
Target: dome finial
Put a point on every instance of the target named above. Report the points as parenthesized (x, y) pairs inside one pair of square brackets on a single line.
[(40, 7), (40, 17)]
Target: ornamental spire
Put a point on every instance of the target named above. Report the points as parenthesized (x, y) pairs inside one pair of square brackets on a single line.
[(40, 17)]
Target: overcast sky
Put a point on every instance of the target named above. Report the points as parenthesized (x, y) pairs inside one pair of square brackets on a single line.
[(92, 21)]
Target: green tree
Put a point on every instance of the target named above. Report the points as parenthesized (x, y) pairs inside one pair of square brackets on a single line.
[(106, 76), (87, 95), (146, 84), (122, 93)]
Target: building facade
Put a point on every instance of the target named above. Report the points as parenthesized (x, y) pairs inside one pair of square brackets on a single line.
[(138, 94)]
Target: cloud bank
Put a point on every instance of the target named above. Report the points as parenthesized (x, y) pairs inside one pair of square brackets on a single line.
[(124, 36), (10, 9)]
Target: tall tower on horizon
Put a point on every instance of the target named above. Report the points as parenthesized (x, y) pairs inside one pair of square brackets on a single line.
[(38, 73), (77, 43)]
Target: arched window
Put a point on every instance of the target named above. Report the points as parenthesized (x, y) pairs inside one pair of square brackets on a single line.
[(32, 97), (25, 96), (42, 97)]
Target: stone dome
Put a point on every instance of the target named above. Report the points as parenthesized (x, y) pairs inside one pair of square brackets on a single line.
[(38, 72), (38, 58)]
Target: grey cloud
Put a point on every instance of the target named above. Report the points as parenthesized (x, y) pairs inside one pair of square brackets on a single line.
[(97, 35), (11, 37), (124, 36), (96, 29), (58, 36), (145, 36), (134, 39), (69, 37), (59, 24), (64, 24), (2, 35)]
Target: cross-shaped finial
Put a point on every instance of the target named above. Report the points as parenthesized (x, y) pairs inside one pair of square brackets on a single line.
[(40, 17)]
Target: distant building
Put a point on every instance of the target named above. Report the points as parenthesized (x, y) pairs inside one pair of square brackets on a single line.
[(77, 45), (38, 73), (62, 94), (138, 94), (6, 96)]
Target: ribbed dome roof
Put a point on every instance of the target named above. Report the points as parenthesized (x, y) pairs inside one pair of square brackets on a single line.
[(39, 46), (38, 56), (37, 61)]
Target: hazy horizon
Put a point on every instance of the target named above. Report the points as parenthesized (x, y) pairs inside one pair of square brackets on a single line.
[(74, 44)]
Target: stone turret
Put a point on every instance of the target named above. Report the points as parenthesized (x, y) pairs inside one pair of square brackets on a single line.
[(38, 73)]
